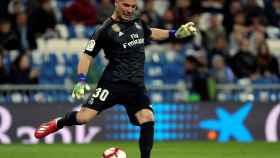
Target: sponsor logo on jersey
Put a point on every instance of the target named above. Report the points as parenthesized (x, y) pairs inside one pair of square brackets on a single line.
[(90, 45), (136, 40), (134, 43)]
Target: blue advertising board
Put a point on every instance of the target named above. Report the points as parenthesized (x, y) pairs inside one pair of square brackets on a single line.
[(216, 121)]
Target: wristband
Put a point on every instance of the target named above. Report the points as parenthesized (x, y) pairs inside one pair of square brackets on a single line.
[(172, 34), (82, 77)]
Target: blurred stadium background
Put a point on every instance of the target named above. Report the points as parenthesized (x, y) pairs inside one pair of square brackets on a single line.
[(219, 86)]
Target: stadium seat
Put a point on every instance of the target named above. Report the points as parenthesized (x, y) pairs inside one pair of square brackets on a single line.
[(56, 45), (63, 31), (273, 32), (37, 58), (60, 70), (274, 46), (79, 31), (71, 31), (88, 31), (41, 45), (52, 59), (76, 45), (171, 76)]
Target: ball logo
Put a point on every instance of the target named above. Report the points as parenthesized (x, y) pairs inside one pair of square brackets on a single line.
[(271, 124)]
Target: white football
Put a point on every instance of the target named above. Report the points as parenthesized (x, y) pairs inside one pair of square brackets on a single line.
[(114, 153)]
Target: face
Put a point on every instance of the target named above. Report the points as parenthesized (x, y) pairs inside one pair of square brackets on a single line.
[(235, 6), (214, 21), (21, 19), (105, 2), (183, 3), (245, 45), (47, 5), (218, 62), (24, 63), (150, 5), (239, 19), (125, 9), (5, 27), (220, 43), (276, 4), (18, 7), (168, 16), (189, 66), (263, 49)]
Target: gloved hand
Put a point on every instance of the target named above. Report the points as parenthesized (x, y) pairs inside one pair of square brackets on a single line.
[(186, 30), (80, 88)]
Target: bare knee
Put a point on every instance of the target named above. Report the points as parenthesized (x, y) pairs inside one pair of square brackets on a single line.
[(85, 115), (145, 115)]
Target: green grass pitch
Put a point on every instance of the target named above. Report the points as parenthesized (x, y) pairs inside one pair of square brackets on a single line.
[(182, 149)]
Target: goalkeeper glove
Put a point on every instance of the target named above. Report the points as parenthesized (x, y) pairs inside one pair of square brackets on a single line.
[(185, 30), (80, 88)]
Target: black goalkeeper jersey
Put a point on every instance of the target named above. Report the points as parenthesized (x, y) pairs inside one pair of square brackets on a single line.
[(123, 45)]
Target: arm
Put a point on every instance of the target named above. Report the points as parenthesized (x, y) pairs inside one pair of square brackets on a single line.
[(159, 34), (184, 31), (82, 70), (84, 64), (93, 47)]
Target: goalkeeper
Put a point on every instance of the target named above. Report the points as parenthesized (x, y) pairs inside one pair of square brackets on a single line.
[(122, 38)]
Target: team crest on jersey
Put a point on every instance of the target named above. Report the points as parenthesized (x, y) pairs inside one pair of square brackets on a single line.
[(90, 45), (116, 28), (138, 26)]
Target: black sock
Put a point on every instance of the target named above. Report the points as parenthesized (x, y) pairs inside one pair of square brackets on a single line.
[(146, 140), (68, 120)]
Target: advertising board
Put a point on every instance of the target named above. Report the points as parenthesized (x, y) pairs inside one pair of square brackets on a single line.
[(218, 121)]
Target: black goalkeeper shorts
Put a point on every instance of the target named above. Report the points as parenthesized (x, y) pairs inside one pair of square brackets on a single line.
[(131, 96)]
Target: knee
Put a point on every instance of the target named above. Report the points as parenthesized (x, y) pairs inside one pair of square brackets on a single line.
[(86, 115), (145, 116), (145, 119), (83, 119)]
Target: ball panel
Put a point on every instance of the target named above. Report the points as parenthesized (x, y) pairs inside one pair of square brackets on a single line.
[(114, 153)]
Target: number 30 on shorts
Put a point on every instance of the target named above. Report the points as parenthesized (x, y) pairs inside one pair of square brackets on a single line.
[(101, 93)]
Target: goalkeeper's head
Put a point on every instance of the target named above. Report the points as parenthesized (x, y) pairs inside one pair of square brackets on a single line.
[(125, 9)]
